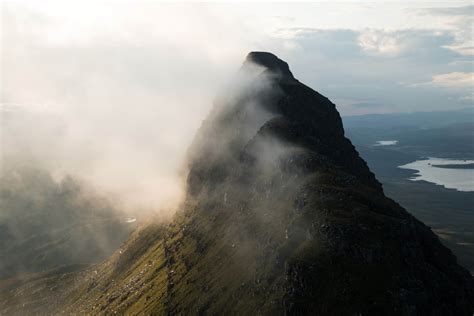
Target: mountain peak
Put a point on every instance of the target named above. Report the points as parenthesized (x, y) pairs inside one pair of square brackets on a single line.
[(271, 62), (280, 212)]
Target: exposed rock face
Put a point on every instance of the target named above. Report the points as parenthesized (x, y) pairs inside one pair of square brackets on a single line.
[(270, 62), (282, 216), (310, 222)]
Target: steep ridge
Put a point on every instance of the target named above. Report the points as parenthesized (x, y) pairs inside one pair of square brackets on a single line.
[(281, 216)]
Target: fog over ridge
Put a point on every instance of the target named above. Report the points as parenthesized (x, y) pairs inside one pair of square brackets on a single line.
[(114, 92)]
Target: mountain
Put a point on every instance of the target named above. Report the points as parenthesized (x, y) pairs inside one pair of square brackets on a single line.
[(281, 216), (413, 120), (439, 134)]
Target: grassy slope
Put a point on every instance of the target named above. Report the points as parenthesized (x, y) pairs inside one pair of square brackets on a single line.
[(40, 293), (201, 263), (246, 252), (125, 282), (301, 236)]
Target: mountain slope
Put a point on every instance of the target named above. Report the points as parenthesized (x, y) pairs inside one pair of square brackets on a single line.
[(281, 216)]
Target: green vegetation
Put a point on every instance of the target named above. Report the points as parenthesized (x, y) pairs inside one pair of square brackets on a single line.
[(287, 219)]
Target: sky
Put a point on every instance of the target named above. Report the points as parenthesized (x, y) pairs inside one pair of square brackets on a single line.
[(368, 57), (87, 87)]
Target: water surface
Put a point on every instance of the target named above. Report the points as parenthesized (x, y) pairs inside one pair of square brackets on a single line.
[(452, 178), (386, 142)]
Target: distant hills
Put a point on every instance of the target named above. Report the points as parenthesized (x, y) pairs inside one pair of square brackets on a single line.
[(441, 134), (419, 120), (46, 224)]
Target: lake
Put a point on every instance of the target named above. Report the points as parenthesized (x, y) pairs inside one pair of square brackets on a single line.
[(446, 172), (386, 142)]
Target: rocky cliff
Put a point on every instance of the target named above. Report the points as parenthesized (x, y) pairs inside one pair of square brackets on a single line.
[(281, 216)]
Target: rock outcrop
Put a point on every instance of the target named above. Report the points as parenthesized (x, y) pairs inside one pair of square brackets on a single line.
[(311, 223), (282, 216)]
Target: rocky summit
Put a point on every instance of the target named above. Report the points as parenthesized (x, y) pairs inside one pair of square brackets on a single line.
[(281, 216)]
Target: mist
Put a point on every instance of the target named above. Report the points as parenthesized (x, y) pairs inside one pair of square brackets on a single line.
[(99, 104), (112, 94)]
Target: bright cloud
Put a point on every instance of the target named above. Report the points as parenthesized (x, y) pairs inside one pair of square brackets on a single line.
[(459, 20), (382, 42), (403, 42), (454, 80)]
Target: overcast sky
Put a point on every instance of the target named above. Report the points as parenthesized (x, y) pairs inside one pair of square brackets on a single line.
[(366, 57), (115, 91)]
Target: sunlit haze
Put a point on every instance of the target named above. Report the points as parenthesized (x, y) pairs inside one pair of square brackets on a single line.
[(105, 83)]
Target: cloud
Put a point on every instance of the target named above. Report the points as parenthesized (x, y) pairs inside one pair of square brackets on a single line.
[(468, 98), (125, 82), (345, 43), (454, 80), (447, 11), (114, 93), (403, 42), (381, 42), (460, 21), (383, 66), (362, 106)]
